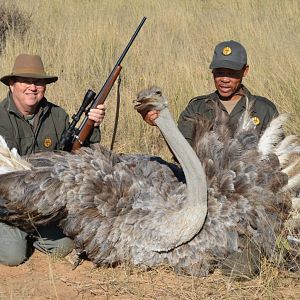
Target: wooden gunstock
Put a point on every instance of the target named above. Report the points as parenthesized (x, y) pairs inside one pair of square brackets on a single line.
[(87, 124)]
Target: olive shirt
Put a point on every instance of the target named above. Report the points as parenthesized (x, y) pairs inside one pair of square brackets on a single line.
[(263, 111), (43, 134)]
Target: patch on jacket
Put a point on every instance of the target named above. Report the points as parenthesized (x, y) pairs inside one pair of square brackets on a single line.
[(256, 121), (47, 142)]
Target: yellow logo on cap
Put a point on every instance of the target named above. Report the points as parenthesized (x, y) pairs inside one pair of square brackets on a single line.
[(255, 121), (226, 51), (47, 142)]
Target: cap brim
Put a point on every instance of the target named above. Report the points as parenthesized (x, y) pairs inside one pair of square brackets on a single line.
[(226, 64), (48, 79)]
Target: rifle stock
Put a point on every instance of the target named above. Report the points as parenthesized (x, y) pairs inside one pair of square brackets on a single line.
[(87, 125)]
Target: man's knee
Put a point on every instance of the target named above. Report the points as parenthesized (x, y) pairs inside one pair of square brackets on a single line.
[(60, 247), (13, 245), (13, 256), (52, 241)]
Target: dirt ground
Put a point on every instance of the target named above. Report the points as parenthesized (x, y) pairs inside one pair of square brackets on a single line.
[(44, 278)]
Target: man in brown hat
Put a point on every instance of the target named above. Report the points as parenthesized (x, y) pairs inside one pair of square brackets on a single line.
[(30, 123)]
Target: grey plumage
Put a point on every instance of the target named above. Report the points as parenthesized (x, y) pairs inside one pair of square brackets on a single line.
[(136, 208)]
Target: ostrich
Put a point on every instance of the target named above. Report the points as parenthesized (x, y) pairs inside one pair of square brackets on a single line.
[(145, 211)]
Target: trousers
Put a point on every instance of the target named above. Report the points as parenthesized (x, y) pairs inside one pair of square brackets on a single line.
[(16, 245)]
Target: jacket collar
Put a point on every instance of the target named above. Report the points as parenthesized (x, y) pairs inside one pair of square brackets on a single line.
[(242, 103)]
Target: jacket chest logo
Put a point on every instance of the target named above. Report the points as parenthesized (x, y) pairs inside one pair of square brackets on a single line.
[(47, 142), (255, 121)]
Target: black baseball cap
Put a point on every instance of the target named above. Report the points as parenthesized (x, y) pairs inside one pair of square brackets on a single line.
[(230, 55)]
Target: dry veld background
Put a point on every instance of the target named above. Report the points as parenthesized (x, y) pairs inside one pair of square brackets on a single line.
[(80, 42)]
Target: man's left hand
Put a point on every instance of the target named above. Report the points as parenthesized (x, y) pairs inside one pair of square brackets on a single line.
[(97, 114)]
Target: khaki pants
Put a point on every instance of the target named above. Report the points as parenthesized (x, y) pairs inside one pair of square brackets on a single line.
[(13, 245), (15, 248)]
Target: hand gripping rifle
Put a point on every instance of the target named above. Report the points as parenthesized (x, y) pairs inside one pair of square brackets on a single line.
[(73, 138)]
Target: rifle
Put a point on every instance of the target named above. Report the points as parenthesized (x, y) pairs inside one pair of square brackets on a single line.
[(72, 139)]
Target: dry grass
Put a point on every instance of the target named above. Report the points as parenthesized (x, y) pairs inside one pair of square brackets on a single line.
[(12, 21), (81, 40), (36, 280)]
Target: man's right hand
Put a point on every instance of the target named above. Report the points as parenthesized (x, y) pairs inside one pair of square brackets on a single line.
[(150, 117)]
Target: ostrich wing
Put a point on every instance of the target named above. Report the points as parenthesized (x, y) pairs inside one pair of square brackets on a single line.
[(36, 194)]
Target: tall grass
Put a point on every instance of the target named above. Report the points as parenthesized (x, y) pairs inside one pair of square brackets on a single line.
[(80, 41)]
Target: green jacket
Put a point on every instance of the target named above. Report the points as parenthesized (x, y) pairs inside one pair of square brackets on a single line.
[(262, 113), (49, 123)]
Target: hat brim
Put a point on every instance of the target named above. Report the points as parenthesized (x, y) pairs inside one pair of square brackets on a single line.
[(48, 79), (216, 64)]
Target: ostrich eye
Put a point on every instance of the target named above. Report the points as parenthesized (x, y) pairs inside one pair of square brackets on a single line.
[(158, 93)]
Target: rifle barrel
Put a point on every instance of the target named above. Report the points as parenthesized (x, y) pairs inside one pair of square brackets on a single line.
[(131, 41), (121, 57)]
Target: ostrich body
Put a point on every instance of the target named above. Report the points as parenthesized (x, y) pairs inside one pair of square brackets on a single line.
[(145, 211)]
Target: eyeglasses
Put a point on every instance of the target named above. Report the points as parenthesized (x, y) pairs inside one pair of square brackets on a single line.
[(29, 81)]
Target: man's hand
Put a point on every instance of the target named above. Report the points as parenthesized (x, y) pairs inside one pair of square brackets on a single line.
[(150, 117), (97, 114)]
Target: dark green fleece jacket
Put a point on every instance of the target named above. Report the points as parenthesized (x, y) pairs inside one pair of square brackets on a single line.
[(43, 134)]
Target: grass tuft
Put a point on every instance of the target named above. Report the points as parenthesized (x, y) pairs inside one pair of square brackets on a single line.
[(13, 22)]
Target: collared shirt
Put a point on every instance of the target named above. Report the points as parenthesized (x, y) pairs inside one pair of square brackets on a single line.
[(43, 134), (263, 111)]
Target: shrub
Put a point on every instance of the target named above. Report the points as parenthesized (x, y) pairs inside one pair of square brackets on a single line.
[(12, 21)]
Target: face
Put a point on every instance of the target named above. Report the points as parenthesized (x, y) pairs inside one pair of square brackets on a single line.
[(228, 81), (27, 93)]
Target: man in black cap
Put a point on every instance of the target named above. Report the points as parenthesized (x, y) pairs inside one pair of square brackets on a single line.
[(229, 67)]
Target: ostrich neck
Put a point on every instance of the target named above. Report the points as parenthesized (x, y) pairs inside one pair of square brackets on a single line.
[(188, 221)]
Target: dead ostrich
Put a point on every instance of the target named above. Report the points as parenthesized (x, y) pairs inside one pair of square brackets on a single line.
[(145, 211)]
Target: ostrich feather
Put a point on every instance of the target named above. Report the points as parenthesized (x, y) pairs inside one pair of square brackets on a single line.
[(293, 167), (272, 135), (296, 206), (10, 160), (245, 122), (288, 150), (287, 144), (293, 184)]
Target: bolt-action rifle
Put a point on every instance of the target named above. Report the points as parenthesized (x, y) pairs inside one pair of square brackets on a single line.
[(73, 138)]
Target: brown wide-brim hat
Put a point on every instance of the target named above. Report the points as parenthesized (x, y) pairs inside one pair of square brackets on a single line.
[(30, 66)]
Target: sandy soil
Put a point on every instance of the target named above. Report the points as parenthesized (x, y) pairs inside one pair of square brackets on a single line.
[(42, 278)]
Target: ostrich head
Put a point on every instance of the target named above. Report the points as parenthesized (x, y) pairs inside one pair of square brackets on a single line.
[(150, 99)]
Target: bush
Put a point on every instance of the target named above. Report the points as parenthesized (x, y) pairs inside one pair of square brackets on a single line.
[(12, 21)]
